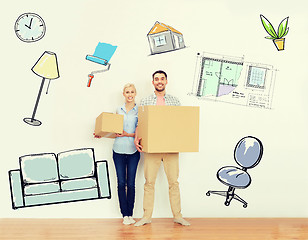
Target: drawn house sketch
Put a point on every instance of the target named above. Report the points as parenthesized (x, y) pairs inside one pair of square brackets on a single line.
[(247, 154), (69, 176), (164, 38), (230, 79)]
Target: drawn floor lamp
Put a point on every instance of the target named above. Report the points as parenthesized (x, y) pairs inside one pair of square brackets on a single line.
[(47, 68)]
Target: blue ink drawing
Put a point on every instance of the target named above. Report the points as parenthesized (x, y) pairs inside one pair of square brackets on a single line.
[(102, 55), (49, 178), (247, 154)]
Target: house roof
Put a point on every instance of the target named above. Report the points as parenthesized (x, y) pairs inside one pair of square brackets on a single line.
[(161, 27)]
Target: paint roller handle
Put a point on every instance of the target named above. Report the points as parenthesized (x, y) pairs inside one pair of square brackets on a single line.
[(91, 76)]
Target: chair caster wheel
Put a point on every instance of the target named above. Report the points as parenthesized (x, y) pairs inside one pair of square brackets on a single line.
[(208, 194), (245, 206), (227, 203)]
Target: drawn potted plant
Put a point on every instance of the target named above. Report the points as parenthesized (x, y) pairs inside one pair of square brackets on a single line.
[(277, 37)]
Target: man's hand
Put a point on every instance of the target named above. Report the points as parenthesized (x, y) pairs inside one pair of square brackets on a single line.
[(137, 144)]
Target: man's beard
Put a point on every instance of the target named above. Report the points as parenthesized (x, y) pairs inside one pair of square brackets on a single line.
[(160, 90)]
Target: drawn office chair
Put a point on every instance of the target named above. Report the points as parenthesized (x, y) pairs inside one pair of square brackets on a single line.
[(247, 153)]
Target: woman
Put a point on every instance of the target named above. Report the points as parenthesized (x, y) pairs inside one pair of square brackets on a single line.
[(125, 155)]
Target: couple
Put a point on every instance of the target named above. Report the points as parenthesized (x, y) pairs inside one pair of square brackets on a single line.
[(126, 155)]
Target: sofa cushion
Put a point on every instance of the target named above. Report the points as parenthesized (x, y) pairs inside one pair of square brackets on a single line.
[(78, 184), (76, 163), (60, 197), (41, 188), (37, 168)]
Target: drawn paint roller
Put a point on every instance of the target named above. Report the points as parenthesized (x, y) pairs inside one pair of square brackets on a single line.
[(102, 55)]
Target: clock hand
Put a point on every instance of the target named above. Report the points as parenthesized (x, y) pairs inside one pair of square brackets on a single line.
[(29, 24)]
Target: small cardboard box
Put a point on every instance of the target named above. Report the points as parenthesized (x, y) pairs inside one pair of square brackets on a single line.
[(168, 128), (108, 124)]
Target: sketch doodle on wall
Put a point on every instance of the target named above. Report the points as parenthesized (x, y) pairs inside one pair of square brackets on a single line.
[(247, 154), (47, 178), (46, 67), (276, 36), (102, 55), (232, 80), (163, 38), (30, 27)]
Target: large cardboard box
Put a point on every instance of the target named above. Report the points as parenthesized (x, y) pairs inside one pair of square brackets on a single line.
[(166, 129), (108, 124)]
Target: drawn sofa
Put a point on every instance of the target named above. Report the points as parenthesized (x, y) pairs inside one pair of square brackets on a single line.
[(69, 176)]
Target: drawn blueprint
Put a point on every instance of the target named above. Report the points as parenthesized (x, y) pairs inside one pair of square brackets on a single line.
[(230, 79)]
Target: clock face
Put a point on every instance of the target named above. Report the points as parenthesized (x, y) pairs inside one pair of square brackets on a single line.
[(30, 27)]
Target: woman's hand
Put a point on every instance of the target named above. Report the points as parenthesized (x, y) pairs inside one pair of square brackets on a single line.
[(124, 134), (96, 136)]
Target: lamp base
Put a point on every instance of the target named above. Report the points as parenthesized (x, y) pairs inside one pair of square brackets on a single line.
[(32, 121)]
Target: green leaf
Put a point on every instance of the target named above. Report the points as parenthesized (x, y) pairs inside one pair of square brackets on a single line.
[(268, 27), (285, 33), (283, 28), (270, 37)]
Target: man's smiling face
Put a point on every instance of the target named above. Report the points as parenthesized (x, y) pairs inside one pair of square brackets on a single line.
[(159, 82)]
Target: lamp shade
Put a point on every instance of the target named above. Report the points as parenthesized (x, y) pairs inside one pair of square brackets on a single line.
[(47, 66)]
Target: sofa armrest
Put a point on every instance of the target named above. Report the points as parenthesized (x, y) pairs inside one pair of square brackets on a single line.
[(16, 189), (103, 179)]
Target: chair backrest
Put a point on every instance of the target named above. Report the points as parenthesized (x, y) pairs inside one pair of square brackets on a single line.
[(248, 152)]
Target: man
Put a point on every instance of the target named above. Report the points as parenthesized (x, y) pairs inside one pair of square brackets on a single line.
[(152, 161)]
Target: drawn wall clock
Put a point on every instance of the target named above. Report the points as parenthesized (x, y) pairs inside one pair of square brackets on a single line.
[(30, 27)]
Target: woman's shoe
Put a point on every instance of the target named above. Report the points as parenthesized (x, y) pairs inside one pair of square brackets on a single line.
[(126, 221)]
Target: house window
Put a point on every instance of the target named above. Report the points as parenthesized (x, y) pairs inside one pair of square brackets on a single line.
[(256, 77), (160, 40)]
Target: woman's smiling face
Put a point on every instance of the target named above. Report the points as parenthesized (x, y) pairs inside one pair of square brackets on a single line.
[(129, 94)]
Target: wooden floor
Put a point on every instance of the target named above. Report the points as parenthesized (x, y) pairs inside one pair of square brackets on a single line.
[(163, 228)]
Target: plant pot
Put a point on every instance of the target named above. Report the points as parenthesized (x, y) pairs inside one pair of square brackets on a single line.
[(279, 43)]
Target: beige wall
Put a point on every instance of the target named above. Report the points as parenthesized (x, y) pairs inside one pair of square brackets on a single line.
[(74, 28)]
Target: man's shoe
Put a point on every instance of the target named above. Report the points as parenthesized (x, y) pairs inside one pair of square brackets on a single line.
[(142, 222), (181, 221), (131, 220)]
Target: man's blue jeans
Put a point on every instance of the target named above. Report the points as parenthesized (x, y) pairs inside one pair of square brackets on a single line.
[(126, 167)]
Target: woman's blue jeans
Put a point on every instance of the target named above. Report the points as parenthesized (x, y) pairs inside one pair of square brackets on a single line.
[(126, 167)]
